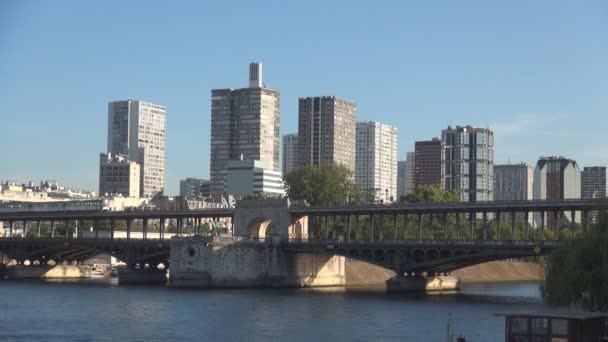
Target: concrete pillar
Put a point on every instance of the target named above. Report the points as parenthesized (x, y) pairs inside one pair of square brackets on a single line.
[(431, 226), (573, 222), (371, 222), (472, 224), (485, 225), (357, 232), (145, 228), (326, 228), (24, 229), (128, 229), (498, 224), (405, 223), (52, 229), (458, 225), (348, 225), (112, 228), (96, 228), (395, 227), (512, 225), (162, 229), (11, 228), (419, 226), (38, 228), (542, 225), (527, 218), (556, 222), (67, 229), (584, 218), (445, 220)]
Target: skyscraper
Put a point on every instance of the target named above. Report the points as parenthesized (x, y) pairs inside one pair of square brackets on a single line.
[(401, 164), (555, 178), (290, 152), (376, 161), (430, 158), (136, 129), (244, 126), (410, 165), (513, 182), (469, 163), (326, 131), (594, 182)]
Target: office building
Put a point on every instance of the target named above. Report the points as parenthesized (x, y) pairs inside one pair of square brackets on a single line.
[(326, 131), (401, 178), (252, 177), (136, 129), (555, 178), (593, 181), (194, 188), (410, 165), (244, 125), (513, 182), (118, 176), (376, 161), (290, 152), (469, 162), (429, 158)]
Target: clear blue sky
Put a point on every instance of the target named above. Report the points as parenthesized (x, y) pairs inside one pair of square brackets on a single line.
[(534, 71)]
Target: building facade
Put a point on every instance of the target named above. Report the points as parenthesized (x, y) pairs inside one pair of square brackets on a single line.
[(290, 152), (376, 161), (429, 165), (410, 168), (401, 178), (327, 131), (513, 182), (555, 178), (244, 125), (136, 129), (252, 177), (593, 180), (469, 162), (194, 188), (118, 176)]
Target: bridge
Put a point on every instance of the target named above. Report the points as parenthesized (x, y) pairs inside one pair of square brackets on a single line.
[(408, 238)]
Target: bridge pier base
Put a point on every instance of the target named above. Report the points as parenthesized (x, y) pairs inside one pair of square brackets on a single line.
[(422, 284), (142, 276), (47, 272)]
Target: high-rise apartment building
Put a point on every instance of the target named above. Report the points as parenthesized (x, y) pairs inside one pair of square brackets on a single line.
[(136, 129), (594, 183), (410, 166), (194, 188), (244, 126), (469, 163), (376, 161), (326, 131), (290, 152), (555, 178), (429, 159), (400, 178), (513, 182), (118, 176)]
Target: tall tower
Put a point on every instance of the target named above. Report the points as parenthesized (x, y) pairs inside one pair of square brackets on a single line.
[(469, 162), (136, 129), (244, 123), (290, 152), (326, 131), (376, 161)]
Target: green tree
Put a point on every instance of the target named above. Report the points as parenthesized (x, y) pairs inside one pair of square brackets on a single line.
[(430, 194), (328, 184), (577, 273)]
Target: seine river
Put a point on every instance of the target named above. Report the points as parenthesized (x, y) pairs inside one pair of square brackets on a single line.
[(103, 311)]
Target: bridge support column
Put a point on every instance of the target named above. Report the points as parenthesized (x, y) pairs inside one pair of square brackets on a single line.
[(38, 228), (458, 225), (128, 229), (371, 222), (112, 228), (11, 228), (498, 224), (472, 225), (573, 222), (52, 229), (417, 283), (145, 229), (67, 229), (405, 223), (24, 229), (512, 225), (485, 225), (542, 225), (585, 219), (527, 218), (431, 227), (556, 223), (419, 226), (395, 237), (445, 219), (348, 227), (162, 229)]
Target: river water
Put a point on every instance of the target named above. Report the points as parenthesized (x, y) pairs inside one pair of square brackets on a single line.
[(103, 311)]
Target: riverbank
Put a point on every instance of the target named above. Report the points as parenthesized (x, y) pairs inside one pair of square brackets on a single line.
[(359, 273), (500, 271)]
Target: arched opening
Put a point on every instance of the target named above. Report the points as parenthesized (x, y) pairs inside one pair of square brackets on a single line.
[(261, 227)]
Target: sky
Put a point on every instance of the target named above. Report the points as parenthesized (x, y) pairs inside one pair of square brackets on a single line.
[(535, 72)]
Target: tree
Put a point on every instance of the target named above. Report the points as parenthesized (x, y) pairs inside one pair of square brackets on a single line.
[(577, 273), (328, 184), (431, 194)]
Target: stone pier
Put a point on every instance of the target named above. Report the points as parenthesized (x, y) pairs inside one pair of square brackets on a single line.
[(422, 284), (142, 276), (48, 272), (196, 262)]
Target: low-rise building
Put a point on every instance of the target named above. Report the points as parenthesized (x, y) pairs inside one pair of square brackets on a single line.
[(252, 177), (194, 187), (118, 175)]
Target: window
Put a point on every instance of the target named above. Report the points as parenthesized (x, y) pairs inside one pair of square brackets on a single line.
[(519, 325), (540, 326)]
